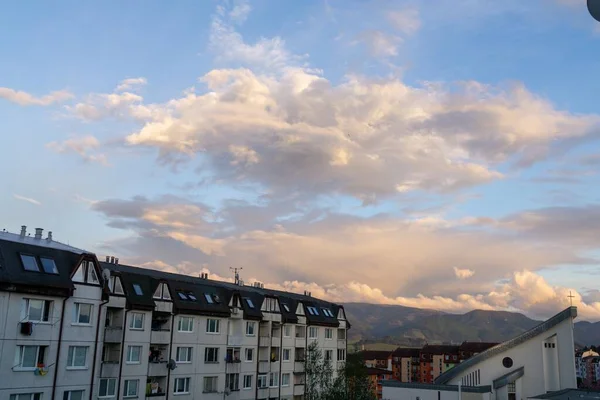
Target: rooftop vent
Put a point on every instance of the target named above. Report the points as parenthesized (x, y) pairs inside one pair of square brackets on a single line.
[(23, 231), (49, 238), (38, 233), (203, 275)]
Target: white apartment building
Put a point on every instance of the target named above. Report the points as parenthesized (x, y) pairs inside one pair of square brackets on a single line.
[(74, 328)]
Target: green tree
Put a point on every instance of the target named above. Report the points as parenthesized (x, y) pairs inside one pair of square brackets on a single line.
[(350, 382)]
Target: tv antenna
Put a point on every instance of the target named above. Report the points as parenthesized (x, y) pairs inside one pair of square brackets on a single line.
[(236, 274)]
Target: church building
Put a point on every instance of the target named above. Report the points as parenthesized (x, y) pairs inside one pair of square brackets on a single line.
[(532, 364)]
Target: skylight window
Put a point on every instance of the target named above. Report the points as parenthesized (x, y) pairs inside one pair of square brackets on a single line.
[(30, 263), (208, 298), (49, 265), (182, 296), (312, 311), (286, 307), (327, 312), (192, 296), (250, 303), (137, 289)]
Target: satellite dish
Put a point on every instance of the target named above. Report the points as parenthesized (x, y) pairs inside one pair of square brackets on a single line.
[(171, 364), (593, 7), (106, 275)]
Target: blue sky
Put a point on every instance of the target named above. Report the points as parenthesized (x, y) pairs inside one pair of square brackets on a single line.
[(322, 144)]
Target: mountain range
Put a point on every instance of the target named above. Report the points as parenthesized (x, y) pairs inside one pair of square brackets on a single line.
[(377, 323)]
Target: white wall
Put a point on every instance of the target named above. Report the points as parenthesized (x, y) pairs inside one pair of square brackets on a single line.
[(395, 393)]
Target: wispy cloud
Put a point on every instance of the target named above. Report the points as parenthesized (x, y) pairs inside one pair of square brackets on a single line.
[(406, 21), (83, 146), (463, 273), (26, 99), (27, 199), (130, 83)]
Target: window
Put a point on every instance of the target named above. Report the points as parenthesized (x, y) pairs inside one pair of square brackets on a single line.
[(287, 330), (191, 296), (274, 379), (211, 355), (30, 263), (341, 334), (182, 296), (341, 354), (249, 354), (208, 298), (26, 396), (210, 384), (328, 333), (130, 389), (158, 292), (134, 354), (212, 325), (116, 286), (92, 277), (250, 303), (36, 310), (287, 354), (82, 313), (232, 382), (77, 357), (185, 324), (28, 357), (137, 321), (285, 379), (286, 307), (182, 386), (328, 355), (313, 310), (247, 382), (137, 289), (73, 395), (327, 312), (48, 265), (313, 332), (270, 304), (108, 387), (250, 328), (261, 382), (162, 292), (184, 355)]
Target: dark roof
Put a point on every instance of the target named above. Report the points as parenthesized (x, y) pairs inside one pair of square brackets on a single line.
[(13, 274), (406, 352), (476, 347), (570, 312), (146, 284), (378, 371), (437, 387), (225, 290), (566, 394), (439, 349), (374, 354)]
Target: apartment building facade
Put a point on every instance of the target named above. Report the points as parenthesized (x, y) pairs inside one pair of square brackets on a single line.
[(76, 328)]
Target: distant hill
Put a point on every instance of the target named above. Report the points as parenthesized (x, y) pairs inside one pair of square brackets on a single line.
[(415, 326)]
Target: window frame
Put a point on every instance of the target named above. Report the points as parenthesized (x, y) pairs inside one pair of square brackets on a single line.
[(330, 330), (133, 319), (209, 298), (217, 326), (32, 396), (310, 330), (137, 289), (77, 314), (253, 325), (288, 379), (67, 394), (126, 387), (289, 352), (235, 376), (22, 257), (287, 328), (215, 351), (108, 380), (55, 268), (273, 379), (72, 356), (251, 350), (190, 324), (188, 352), (244, 383), (343, 352), (250, 303), (186, 386), (20, 353), (45, 313), (262, 377), (214, 384), (130, 348)]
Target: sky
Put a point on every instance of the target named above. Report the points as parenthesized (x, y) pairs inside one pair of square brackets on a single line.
[(439, 154)]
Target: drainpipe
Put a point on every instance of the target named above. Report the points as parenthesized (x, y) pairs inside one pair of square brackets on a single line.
[(96, 347), (60, 333), (170, 354), (306, 353), (280, 357), (226, 363), (122, 354), (257, 360)]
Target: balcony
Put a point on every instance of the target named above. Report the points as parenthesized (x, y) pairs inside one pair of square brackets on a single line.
[(109, 369), (160, 336), (298, 389), (264, 367), (155, 387), (264, 341), (113, 334), (234, 341), (232, 356), (299, 366), (262, 393), (300, 342), (276, 341), (157, 368), (341, 343)]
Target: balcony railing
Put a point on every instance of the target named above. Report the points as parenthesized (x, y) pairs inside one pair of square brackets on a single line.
[(113, 334)]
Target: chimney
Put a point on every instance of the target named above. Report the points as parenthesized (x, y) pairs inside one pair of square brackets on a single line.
[(107, 258), (49, 238), (112, 259), (116, 260), (38, 233), (23, 230)]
